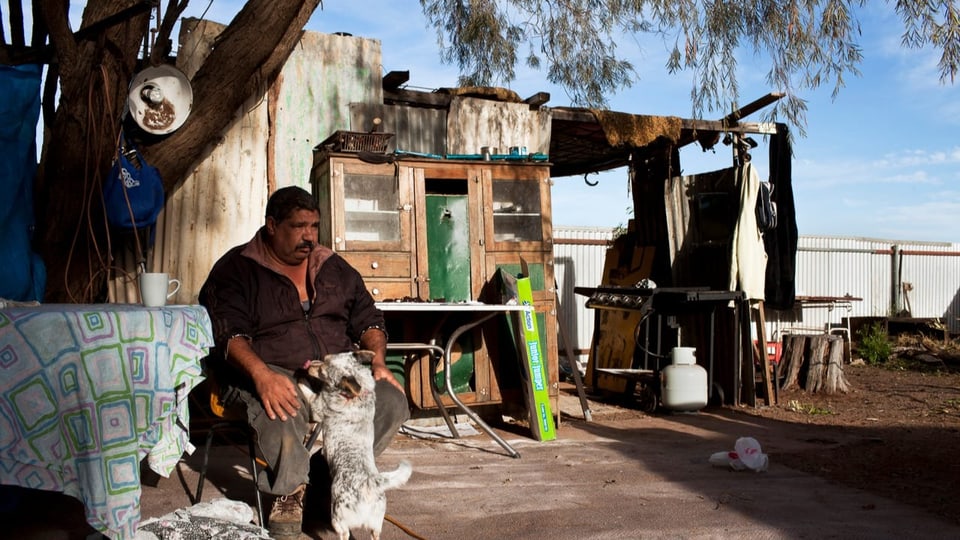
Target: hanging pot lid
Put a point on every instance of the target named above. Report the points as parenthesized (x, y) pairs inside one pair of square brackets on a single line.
[(160, 99)]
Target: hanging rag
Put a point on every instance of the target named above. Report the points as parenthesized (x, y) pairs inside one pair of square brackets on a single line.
[(748, 260)]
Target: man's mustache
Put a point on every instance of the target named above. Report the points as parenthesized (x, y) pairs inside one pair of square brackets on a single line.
[(308, 244)]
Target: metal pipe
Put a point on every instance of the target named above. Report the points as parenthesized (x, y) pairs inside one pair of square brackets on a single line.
[(845, 250), (895, 263), (928, 253), (453, 395)]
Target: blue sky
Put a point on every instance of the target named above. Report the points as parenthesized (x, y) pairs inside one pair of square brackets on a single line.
[(882, 160)]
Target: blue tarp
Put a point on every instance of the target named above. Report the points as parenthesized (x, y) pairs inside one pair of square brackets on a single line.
[(22, 274)]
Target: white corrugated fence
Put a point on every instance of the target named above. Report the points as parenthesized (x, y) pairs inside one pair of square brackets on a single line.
[(886, 276)]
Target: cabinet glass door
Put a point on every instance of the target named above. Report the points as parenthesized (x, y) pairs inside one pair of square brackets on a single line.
[(516, 211), (371, 208)]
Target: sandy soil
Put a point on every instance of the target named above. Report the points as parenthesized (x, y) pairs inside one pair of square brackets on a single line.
[(896, 432)]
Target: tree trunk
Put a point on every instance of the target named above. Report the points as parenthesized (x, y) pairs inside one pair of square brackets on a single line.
[(78, 148), (72, 236)]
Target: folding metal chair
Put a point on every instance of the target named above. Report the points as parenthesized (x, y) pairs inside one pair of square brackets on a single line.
[(228, 421)]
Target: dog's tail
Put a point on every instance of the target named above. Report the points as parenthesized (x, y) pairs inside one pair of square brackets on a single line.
[(396, 477)]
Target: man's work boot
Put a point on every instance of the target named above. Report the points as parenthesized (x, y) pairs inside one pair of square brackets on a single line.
[(286, 516)]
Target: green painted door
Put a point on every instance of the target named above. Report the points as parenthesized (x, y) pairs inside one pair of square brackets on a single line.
[(448, 247), (448, 259)]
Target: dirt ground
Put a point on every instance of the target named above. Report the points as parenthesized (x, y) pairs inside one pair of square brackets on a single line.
[(896, 432)]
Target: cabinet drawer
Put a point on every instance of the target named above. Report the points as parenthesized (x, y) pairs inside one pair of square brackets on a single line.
[(380, 264), (390, 290)]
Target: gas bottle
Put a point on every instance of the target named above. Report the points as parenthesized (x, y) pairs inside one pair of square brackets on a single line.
[(683, 384)]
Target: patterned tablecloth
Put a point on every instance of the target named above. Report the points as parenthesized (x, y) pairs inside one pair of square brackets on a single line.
[(87, 391)]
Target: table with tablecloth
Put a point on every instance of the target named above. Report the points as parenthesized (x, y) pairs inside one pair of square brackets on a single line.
[(88, 391)]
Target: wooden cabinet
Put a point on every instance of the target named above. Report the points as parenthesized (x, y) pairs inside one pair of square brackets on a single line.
[(367, 215), (437, 229), (422, 228)]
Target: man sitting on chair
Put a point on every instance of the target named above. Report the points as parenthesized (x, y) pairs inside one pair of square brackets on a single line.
[(277, 302)]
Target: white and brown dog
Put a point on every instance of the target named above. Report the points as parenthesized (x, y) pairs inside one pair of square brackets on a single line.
[(344, 404)]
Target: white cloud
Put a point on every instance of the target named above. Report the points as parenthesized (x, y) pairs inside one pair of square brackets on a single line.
[(919, 157), (934, 216)]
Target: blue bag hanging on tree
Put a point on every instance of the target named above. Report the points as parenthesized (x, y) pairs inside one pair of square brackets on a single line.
[(133, 193)]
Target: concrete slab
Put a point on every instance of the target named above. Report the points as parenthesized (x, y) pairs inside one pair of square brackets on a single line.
[(624, 475)]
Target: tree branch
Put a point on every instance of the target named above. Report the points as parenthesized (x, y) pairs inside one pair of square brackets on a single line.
[(60, 45), (163, 44), (247, 56)]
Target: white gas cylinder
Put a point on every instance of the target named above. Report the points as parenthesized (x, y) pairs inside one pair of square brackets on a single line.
[(683, 384)]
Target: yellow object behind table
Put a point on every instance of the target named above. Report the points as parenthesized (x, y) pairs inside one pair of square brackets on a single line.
[(625, 264)]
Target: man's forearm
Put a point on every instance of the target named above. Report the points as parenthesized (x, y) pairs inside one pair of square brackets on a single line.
[(277, 392), (375, 340), (241, 355)]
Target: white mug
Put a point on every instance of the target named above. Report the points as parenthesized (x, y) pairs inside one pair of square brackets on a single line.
[(155, 288)]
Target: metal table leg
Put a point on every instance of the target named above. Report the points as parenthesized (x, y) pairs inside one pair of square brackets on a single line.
[(436, 353), (449, 383)]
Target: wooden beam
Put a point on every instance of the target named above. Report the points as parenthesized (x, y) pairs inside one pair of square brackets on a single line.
[(574, 115), (687, 124), (760, 128), (752, 107), (538, 99), (393, 80), (768, 376), (433, 100)]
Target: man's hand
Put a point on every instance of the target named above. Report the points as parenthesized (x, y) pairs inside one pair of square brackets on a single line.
[(374, 339), (277, 393), (381, 372)]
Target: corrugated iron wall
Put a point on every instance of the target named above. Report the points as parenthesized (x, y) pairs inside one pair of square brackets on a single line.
[(578, 254), (415, 129), (933, 271), (826, 266), (874, 270)]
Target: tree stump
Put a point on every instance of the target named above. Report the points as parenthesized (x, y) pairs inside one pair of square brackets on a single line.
[(794, 348), (814, 363), (833, 378)]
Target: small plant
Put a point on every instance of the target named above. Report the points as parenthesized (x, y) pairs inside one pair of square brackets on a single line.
[(874, 345), (621, 229), (797, 407)]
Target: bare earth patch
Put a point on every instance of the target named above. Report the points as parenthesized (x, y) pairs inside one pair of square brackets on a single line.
[(895, 433)]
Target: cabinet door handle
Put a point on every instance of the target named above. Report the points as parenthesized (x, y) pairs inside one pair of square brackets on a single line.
[(374, 265), (375, 291), (406, 207)]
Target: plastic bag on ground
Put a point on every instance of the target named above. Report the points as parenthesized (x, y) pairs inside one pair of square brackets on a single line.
[(746, 455)]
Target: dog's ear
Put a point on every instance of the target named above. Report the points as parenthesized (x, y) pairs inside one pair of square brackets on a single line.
[(322, 370), (313, 368), (349, 387), (364, 357)]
